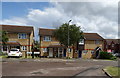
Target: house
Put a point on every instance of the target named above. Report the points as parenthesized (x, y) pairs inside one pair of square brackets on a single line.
[(86, 46), (20, 37), (50, 47), (112, 45)]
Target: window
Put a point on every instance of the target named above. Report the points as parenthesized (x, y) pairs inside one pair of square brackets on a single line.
[(44, 49), (69, 50), (22, 36), (106, 46), (84, 51), (97, 42), (112, 45), (81, 41), (23, 48), (47, 38), (60, 49), (92, 51)]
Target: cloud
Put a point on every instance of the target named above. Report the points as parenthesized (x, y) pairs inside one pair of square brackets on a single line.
[(14, 21), (95, 17)]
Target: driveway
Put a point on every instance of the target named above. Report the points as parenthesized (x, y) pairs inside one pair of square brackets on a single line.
[(55, 67)]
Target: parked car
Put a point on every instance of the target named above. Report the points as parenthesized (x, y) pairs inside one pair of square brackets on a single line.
[(117, 54), (14, 52)]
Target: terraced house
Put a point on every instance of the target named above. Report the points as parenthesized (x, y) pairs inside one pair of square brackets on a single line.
[(20, 37), (112, 45), (50, 47)]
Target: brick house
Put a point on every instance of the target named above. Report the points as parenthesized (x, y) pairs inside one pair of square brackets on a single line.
[(20, 37), (112, 45), (51, 47), (88, 45)]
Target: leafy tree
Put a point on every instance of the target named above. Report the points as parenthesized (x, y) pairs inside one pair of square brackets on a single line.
[(36, 45), (4, 37), (75, 34)]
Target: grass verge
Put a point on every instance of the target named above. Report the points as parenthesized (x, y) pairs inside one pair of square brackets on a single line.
[(113, 71)]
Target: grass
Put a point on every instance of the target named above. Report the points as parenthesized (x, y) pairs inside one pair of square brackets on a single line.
[(3, 56), (29, 57), (113, 71)]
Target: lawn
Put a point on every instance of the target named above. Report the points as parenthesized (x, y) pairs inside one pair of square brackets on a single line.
[(3, 56), (113, 71)]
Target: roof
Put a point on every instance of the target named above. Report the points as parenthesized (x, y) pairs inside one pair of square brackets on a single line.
[(17, 29), (88, 36), (56, 46), (109, 41), (92, 36), (12, 43), (43, 31)]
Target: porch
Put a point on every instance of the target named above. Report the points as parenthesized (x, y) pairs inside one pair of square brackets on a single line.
[(56, 51), (11, 44)]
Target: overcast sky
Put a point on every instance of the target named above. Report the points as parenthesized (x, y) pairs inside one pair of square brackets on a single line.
[(93, 17)]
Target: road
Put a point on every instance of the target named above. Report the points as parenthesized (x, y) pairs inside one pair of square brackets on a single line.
[(55, 67)]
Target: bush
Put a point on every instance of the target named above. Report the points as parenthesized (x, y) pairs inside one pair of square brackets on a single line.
[(106, 55), (113, 58), (1, 53)]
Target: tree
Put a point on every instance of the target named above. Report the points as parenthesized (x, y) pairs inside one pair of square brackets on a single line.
[(36, 45), (75, 34), (4, 37)]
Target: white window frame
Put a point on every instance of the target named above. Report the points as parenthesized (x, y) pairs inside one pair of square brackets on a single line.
[(69, 50), (106, 46), (45, 49), (23, 48), (84, 51), (113, 45), (47, 38), (97, 41), (81, 41), (22, 36)]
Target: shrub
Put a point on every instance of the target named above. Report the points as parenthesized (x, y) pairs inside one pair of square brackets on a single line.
[(1, 53), (105, 55), (113, 58)]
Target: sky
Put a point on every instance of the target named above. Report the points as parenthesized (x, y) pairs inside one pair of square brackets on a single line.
[(93, 17)]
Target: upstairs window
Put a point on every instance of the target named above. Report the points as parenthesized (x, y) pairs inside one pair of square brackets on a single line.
[(112, 45), (97, 42), (47, 38), (22, 36), (81, 41)]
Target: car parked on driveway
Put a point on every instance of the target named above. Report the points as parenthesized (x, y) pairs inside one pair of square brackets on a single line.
[(14, 52)]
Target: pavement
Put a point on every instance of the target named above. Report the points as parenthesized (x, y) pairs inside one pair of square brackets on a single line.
[(55, 67)]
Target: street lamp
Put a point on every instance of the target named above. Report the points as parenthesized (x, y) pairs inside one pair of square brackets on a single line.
[(68, 34)]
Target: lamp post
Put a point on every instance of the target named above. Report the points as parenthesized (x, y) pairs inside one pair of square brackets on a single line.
[(68, 36), (68, 31)]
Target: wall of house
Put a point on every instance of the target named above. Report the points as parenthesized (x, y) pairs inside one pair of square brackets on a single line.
[(24, 42), (31, 41), (90, 46), (45, 44)]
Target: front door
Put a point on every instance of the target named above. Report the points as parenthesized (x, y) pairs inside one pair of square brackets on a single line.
[(80, 53), (64, 52), (51, 52)]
